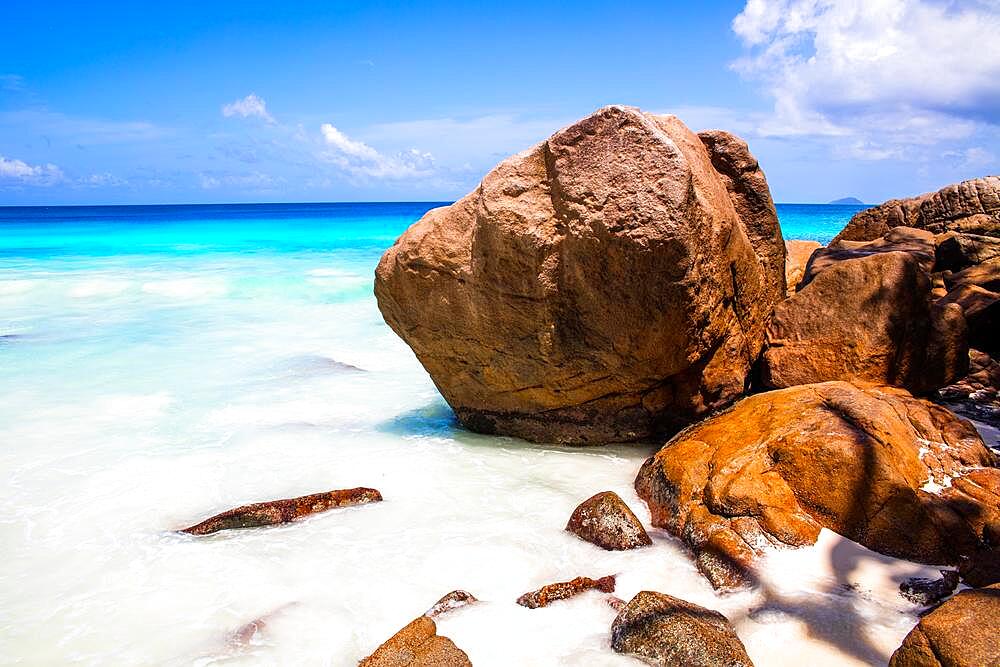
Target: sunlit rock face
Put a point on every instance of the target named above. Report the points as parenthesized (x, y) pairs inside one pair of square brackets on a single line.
[(897, 474), (609, 284)]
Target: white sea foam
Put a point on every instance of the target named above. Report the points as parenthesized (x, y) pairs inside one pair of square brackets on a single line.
[(98, 287), (186, 288)]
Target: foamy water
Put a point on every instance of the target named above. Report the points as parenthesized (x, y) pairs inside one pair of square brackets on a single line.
[(142, 394)]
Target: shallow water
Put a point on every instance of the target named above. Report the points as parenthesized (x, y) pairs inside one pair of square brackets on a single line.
[(161, 367)]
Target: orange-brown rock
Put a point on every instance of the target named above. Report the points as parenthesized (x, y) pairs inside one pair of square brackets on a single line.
[(962, 632), (796, 258), (605, 520), (663, 630), (601, 286), (977, 394), (968, 207), (981, 308), (866, 319), (565, 589), (959, 251), (418, 645), (283, 511), (751, 197), (985, 275), (900, 475), (917, 242)]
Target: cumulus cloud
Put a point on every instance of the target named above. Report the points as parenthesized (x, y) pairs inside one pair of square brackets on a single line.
[(883, 73), (20, 171), (251, 105), (359, 159)]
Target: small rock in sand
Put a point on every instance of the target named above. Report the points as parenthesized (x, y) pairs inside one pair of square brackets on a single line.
[(605, 520)]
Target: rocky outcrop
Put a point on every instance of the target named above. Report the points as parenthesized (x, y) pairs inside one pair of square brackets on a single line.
[(900, 475), (978, 393), (981, 309), (962, 632), (970, 207), (565, 589), (663, 630), (418, 645), (283, 511), (929, 591), (605, 520), (796, 257), (955, 252), (609, 284), (915, 242), (866, 318), (985, 275)]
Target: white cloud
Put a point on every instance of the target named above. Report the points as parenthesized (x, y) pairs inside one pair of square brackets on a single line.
[(883, 73), (251, 105), (250, 181), (359, 159), (21, 172)]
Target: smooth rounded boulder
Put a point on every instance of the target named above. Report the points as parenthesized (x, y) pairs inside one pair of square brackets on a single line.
[(611, 283), (605, 520), (662, 630), (962, 632), (897, 474)]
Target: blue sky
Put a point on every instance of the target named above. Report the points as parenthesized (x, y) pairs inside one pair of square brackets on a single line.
[(329, 101)]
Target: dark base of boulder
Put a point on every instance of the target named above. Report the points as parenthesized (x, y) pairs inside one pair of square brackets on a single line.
[(570, 426)]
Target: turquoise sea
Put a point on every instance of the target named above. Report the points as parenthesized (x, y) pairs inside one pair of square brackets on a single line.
[(160, 364)]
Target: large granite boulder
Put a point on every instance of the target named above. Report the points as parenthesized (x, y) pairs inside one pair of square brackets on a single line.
[(663, 630), (900, 475), (971, 207), (981, 308), (609, 284), (865, 317), (962, 632)]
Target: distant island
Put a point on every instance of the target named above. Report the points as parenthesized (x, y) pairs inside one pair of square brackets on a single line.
[(848, 200)]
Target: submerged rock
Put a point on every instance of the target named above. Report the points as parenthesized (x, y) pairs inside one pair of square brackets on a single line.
[(798, 254), (283, 511), (605, 520), (565, 589), (968, 207), (867, 318), (608, 284), (663, 630), (962, 632), (897, 474), (418, 644), (929, 591), (454, 600)]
